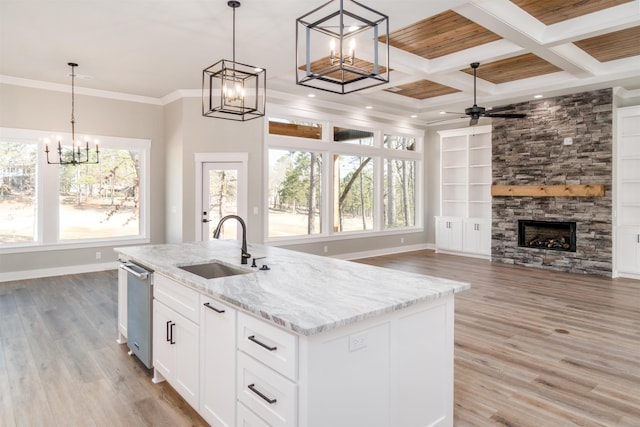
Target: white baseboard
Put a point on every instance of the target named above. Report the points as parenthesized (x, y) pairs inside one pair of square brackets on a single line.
[(385, 251), (57, 271)]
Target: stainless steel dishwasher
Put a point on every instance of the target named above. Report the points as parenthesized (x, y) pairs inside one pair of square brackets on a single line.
[(139, 311)]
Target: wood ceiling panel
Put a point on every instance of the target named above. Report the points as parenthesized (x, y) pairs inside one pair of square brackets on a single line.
[(440, 35), (516, 68), (423, 89), (617, 45), (553, 11)]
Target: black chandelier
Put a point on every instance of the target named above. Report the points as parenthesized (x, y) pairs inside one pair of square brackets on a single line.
[(326, 43), (231, 90), (74, 156)]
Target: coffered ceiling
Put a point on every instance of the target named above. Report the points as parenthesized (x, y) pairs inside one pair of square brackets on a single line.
[(156, 49)]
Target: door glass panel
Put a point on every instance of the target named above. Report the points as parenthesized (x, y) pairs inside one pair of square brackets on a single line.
[(223, 200)]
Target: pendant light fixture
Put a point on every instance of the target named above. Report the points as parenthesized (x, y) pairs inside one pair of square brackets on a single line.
[(327, 39), (231, 90), (73, 156)]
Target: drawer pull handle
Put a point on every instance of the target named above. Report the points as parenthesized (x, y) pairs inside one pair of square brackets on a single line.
[(206, 304), (255, 340), (253, 388)]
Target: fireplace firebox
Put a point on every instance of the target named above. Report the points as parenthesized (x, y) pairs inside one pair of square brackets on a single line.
[(550, 235)]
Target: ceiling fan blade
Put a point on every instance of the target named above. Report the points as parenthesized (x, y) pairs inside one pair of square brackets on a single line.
[(506, 115), (445, 119)]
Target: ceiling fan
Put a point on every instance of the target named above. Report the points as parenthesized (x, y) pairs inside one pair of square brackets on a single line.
[(476, 112)]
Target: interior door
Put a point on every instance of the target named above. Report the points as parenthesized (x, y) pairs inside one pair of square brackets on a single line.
[(223, 193)]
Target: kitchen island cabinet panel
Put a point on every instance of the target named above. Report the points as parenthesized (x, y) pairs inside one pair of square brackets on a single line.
[(217, 362), (318, 341)]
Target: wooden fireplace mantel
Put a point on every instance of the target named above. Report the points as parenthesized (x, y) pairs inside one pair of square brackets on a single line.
[(589, 190)]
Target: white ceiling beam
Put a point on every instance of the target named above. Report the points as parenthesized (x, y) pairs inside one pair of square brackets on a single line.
[(506, 20), (594, 24)]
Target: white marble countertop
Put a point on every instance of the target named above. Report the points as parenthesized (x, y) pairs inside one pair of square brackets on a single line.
[(305, 293)]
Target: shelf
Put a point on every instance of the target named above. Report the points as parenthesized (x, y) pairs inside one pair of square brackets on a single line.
[(480, 166), (479, 183), (595, 190)]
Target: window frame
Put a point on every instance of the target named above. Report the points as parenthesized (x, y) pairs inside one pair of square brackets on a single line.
[(48, 188), (328, 148)]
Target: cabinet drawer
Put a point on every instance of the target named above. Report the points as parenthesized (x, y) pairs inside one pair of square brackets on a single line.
[(177, 296), (270, 345), (267, 393), (246, 418)]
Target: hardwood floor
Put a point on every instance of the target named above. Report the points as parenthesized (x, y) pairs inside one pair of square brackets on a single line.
[(60, 364), (538, 348), (533, 348)]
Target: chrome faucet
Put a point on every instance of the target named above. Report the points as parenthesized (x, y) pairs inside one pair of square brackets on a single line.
[(216, 235)]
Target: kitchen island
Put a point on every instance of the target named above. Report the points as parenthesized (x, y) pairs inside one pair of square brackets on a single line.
[(310, 341)]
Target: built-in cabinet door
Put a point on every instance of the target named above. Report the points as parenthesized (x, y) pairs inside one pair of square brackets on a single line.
[(218, 352), (163, 353), (187, 369), (449, 233), (176, 351), (477, 236), (628, 253)]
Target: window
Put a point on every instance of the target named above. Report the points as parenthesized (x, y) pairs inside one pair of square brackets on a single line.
[(101, 200), (354, 178), (48, 205), (18, 203), (294, 193), (335, 179), (399, 193)]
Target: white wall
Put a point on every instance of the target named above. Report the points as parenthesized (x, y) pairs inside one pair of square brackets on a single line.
[(30, 108)]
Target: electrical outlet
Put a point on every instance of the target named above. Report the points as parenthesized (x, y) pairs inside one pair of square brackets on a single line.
[(98, 255), (357, 341), (401, 240), (568, 141), (326, 249)]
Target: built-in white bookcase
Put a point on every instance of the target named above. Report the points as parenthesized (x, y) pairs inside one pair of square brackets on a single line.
[(464, 223), (627, 192)]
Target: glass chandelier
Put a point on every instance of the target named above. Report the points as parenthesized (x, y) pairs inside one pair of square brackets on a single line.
[(231, 90), (76, 155)]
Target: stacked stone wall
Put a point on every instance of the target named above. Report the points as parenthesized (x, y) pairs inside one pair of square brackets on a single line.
[(531, 151)]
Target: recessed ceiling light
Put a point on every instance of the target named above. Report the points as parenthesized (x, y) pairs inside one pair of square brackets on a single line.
[(413, 116), (443, 112), (368, 107), (538, 96), (312, 95)]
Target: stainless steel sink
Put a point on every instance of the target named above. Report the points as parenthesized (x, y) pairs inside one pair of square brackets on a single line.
[(213, 270)]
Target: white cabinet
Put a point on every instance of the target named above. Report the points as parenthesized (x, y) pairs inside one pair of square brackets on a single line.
[(628, 250), (627, 192), (176, 338), (218, 362), (477, 236), (464, 224), (449, 233), (267, 372)]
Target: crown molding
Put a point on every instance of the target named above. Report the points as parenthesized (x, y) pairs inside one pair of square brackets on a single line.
[(57, 87)]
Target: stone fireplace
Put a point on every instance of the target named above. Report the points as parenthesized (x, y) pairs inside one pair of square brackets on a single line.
[(533, 151)]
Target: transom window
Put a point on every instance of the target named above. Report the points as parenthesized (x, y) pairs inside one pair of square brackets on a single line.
[(329, 178)]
